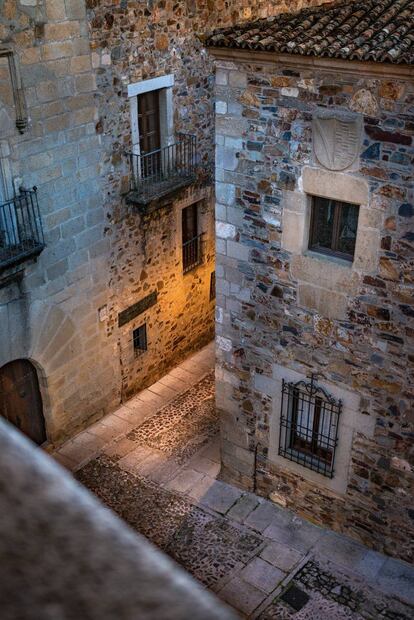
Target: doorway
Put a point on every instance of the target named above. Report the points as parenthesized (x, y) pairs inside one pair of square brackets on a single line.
[(20, 399)]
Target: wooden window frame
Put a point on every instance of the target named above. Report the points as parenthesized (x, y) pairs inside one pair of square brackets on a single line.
[(313, 236)]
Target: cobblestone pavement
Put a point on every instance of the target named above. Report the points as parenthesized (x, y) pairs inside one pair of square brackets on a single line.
[(155, 462)]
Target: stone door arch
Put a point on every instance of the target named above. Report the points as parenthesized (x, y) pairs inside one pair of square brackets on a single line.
[(20, 399)]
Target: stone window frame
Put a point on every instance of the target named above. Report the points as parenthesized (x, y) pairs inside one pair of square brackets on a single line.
[(19, 98), (351, 420), (164, 84), (7, 189), (324, 282)]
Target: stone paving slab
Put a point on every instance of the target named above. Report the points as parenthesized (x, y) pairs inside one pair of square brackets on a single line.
[(296, 534), (397, 578), (262, 575), (240, 511), (262, 516), (220, 497), (242, 596), (281, 556)]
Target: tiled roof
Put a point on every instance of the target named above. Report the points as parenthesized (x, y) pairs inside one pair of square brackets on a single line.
[(370, 30)]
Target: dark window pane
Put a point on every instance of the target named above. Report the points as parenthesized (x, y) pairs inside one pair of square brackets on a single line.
[(191, 238), (324, 215), (139, 339), (333, 227), (190, 224), (348, 223)]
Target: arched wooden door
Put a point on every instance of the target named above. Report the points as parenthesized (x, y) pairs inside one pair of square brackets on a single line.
[(20, 399)]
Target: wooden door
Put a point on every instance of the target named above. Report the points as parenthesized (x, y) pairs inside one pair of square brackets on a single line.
[(149, 133), (149, 122), (20, 399)]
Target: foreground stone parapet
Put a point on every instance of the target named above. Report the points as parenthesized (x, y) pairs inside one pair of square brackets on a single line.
[(68, 557)]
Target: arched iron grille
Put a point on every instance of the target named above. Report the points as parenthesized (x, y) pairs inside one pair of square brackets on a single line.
[(309, 421)]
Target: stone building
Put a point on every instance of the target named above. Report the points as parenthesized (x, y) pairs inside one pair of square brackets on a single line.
[(314, 192), (106, 269), (94, 303)]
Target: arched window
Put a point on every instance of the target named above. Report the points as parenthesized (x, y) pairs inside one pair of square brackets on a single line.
[(20, 399)]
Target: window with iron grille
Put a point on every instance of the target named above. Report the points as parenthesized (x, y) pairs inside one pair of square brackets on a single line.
[(309, 426), (139, 339), (333, 228), (212, 285), (191, 238)]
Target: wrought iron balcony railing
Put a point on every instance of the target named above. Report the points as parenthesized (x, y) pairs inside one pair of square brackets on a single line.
[(21, 232), (157, 174)]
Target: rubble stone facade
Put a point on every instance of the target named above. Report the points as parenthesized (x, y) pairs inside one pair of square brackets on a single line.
[(284, 312)]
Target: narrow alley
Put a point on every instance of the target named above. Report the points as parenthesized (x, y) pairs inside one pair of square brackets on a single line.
[(156, 463)]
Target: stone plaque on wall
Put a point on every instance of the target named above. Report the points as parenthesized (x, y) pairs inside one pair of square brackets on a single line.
[(336, 138), (130, 313)]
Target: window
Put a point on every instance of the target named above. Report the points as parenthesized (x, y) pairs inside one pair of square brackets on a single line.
[(191, 238), (333, 227), (309, 426), (139, 338), (213, 286)]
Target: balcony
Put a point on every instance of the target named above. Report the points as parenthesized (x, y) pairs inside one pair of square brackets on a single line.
[(21, 232), (160, 173)]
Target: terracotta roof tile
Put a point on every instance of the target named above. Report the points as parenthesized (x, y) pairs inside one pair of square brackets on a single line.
[(370, 30)]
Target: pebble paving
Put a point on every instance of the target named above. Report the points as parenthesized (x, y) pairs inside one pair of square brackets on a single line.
[(183, 427), (331, 595), (260, 559)]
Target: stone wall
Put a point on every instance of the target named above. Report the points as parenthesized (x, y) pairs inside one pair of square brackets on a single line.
[(280, 308), (76, 60), (131, 42), (51, 314)]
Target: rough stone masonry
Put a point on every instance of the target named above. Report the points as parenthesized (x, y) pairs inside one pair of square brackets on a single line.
[(283, 313), (76, 59)]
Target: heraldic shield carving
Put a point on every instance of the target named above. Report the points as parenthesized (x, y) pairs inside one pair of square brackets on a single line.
[(336, 139)]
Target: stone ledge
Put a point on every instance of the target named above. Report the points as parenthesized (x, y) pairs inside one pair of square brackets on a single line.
[(335, 185)]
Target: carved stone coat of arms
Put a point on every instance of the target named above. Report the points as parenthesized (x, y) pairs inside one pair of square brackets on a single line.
[(336, 139)]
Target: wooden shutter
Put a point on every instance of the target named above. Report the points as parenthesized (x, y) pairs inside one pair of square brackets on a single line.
[(149, 121), (190, 223)]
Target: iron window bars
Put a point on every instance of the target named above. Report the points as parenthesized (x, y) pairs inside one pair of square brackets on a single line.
[(212, 285), (21, 231), (192, 253), (164, 170), (333, 227), (309, 421), (139, 338)]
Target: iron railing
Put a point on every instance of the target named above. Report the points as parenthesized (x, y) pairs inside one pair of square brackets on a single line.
[(309, 423), (21, 231), (192, 253), (160, 172)]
